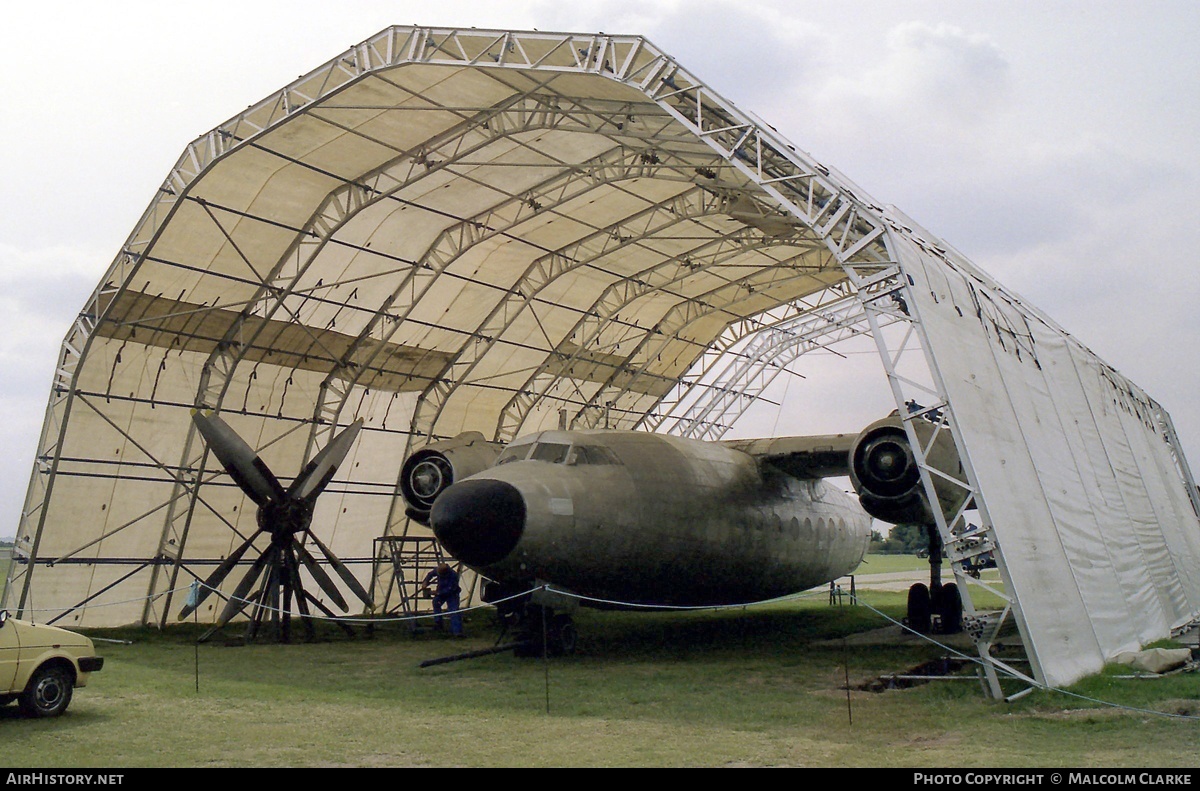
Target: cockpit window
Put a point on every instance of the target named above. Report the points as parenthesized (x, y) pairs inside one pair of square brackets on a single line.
[(592, 454), (553, 452), (514, 453), (558, 453)]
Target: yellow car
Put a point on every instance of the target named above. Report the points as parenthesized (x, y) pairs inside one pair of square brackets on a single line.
[(40, 666)]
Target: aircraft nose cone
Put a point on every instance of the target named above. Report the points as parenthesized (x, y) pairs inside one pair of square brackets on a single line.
[(479, 521)]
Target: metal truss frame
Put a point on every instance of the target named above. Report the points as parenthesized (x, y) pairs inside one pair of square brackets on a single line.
[(797, 186), (737, 378), (627, 400), (597, 330), (884, 294), (523, 113), (533, 113)]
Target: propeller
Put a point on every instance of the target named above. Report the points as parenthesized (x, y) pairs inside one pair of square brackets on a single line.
[(286, 516)]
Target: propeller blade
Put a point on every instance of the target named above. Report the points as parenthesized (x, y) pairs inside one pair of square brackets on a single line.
[(239, 459), (355, 587), (300, 595), (289, 581), (216, 578), (318, 472), (266, 600), (313, 600), (318, 574), (238, 601)]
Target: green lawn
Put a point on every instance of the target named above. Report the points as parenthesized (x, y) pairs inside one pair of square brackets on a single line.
[(886, 564), (762, 686)]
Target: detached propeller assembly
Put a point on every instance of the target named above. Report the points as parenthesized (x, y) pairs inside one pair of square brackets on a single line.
[(286, 516)]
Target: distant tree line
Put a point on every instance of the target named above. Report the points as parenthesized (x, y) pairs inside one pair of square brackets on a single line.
[(901, 540)]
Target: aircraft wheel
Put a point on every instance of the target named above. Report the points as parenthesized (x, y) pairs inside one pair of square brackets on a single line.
[(919, 611), (949, 607), (558, 639), (563, 636)]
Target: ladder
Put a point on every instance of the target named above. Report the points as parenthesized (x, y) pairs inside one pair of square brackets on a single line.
[(411, 558)]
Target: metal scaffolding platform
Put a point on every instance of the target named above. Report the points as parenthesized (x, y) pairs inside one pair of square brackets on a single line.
[(411, 559)]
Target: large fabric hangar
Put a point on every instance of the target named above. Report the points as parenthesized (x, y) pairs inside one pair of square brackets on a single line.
[(446, 230)]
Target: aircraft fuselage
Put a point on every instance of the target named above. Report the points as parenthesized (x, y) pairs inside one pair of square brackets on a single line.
[(634, 517)]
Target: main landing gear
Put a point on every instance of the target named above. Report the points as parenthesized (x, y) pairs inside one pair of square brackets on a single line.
[(539, 621), (935, 607), (546, 633)]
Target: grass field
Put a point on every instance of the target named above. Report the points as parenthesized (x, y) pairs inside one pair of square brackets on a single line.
[(888, 564), (763, 686)]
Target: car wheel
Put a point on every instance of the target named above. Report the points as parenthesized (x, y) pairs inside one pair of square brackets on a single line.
[(48, 693)]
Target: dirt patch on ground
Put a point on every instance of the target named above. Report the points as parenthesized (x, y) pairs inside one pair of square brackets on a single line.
[(914, 676)]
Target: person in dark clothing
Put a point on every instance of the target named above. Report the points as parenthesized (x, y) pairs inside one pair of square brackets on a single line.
[(445, 596)]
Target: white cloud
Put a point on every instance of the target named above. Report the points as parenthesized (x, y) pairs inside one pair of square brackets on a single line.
[(939, 74), (750, 52), (41, 292)]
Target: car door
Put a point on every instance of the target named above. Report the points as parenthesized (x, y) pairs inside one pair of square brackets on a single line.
[(10, 649)]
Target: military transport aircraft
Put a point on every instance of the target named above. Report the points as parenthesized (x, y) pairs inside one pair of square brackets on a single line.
[(635, 518)]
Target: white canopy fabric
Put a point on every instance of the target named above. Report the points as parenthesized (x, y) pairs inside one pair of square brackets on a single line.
[(448, 230), (1079, 469)]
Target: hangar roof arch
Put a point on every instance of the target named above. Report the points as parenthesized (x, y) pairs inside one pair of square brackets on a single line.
[(439, 231)]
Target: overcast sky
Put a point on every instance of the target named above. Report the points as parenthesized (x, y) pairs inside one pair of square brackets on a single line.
[(1053, 143)]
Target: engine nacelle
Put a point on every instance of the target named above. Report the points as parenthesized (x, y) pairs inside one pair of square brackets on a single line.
[(428, 472), (885, 475)]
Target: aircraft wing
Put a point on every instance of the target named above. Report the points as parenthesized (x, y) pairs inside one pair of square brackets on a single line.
[(824, 456)]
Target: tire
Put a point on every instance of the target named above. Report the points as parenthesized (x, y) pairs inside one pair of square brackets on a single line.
[(48, 693), (919, 611), (949, 607), (560, 637), (535, 638), (563, 636)]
